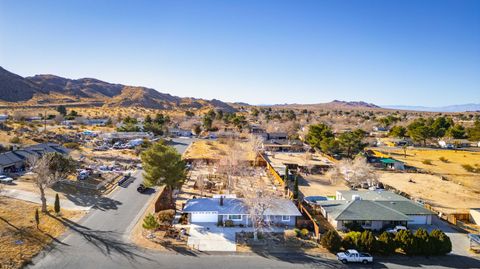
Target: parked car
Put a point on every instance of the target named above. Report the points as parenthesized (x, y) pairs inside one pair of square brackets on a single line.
[(352, 255), (141, 188), (396, 229), (5, 179), (123, 179)]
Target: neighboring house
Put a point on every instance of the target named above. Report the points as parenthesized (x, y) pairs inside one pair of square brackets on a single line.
[(475, 215), (456, 143), (180, 132), (394, 142), (277, 136), (15, 160), (126, 135), (282, 145), (283, 212), (100, 122), (374, 210)]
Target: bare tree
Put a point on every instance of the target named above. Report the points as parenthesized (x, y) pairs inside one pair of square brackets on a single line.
[(232, 164), (49, 169), (355, 171), (258, 199), (255, 143)]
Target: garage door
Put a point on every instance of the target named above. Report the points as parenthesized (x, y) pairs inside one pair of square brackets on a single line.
[(418, 219), (204, 217)]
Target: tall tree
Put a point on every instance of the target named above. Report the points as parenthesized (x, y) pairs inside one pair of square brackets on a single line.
[(49, 169), (163, 166), (317, 133), (351, 143)]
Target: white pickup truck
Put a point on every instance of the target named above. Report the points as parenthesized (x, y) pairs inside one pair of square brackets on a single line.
[(352, 255)]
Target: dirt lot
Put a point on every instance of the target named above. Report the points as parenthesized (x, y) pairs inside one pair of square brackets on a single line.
[(446, 196), (214, 150), (452, 169), (20, 240), (318, 185)]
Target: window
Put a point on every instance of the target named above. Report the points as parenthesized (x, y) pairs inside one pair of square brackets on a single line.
[(285, 218), (235, 217)]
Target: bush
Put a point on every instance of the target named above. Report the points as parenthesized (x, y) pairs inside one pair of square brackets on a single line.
[(166, 216), (150, 223), (422, 242), (427, 162), (368, 242), (304, 232), (443, 159), (331, 241), (15, 140), (386, 244), (351, 240), (440, 243), (470, 168), (404, 240), (71, 145), (229, 223)]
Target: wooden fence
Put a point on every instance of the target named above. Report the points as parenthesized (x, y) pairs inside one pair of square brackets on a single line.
[(273, 172), (315, 225)]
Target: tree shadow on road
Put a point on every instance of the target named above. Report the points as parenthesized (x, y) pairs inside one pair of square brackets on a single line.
[(107, 242), (447, 261), (95, 201)]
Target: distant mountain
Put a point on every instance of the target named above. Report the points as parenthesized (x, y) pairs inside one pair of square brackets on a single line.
[(452, 108), (335, 104), (50, 89)]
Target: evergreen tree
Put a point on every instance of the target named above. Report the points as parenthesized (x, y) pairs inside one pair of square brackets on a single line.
[(56, 205), (37, 217), (386, 243), (368, 242), (331, 241), (150, 222), (295, 188)]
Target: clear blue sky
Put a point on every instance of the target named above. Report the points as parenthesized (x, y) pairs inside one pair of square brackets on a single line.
[(261, 52)]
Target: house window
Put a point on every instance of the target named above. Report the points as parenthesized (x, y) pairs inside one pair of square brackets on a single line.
[(235, 217), (285, 218)]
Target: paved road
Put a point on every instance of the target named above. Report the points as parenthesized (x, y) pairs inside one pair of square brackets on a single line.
[(100, 240)]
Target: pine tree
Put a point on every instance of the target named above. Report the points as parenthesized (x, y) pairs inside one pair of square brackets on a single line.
[(331, 241), (295, 188), (56, 205), (150, 222)]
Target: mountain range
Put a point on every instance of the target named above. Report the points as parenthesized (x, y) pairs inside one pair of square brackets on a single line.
[(452, 108), (51, 89)]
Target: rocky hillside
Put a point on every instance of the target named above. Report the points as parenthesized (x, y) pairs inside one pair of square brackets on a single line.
[(50, 89)]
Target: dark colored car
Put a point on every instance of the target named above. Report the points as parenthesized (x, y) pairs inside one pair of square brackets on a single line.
[(123, 180), (141, 188)]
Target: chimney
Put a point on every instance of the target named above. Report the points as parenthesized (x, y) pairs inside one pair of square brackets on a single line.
[(221, 200)]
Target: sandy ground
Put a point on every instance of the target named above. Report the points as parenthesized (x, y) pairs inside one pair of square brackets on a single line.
[(452, 169), (319, 185), (214, 150), (20, 240), (447, 196), (299, 158)]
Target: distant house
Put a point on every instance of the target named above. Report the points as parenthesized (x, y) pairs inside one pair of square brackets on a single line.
[(373, 210), (99, 122), (282, 145), (456, 143), (218, 210), (15, 160), (180, 132), (277, 136), (3, 117), (125, 135)]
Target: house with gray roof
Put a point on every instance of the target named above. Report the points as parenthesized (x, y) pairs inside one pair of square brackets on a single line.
[(281, 212), (15, 160), (374, 210)]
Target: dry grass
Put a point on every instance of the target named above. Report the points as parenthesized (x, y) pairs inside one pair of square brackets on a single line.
[(445, 196), (20, 240), (213, 150), (452, 169)]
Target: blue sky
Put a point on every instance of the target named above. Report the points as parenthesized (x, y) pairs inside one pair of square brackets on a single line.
[(261, 52)]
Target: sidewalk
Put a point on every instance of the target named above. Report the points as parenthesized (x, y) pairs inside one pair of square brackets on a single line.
[(35, 198)]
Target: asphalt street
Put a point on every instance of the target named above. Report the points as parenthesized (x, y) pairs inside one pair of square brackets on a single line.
[(100, 240)]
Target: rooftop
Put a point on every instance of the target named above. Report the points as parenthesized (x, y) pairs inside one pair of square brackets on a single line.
[(376, 195)]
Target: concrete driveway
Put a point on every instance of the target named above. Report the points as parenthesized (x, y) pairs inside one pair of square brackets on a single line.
[(212, 238)]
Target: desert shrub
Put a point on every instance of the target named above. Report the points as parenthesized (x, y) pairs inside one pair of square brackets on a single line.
[(150, 222), (71, 145), (229, 223), (304, 232), (15, 140), (443, 159), (297, 232), (386, 244), (427, 162), (471, 168), (440, 243), (331, 241), (351, 240), (166, 216), (404, 239), (290, 234)]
